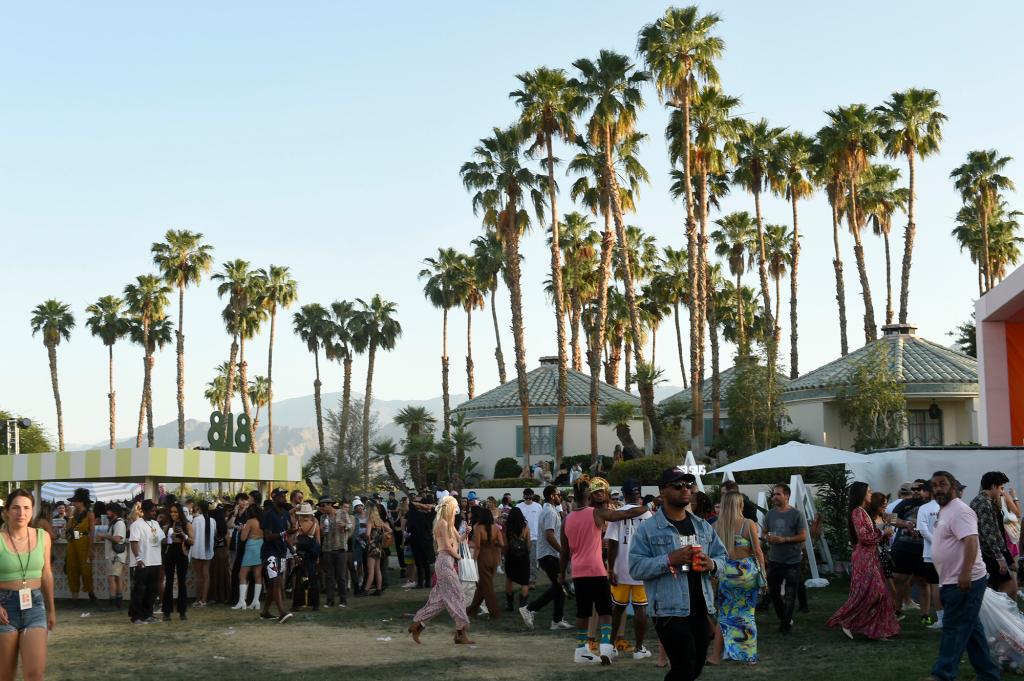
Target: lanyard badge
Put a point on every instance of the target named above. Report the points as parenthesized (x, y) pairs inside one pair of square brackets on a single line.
[(25, 597)]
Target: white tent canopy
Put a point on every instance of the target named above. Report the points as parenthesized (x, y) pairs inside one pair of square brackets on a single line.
[(98, 491), (793, 455)]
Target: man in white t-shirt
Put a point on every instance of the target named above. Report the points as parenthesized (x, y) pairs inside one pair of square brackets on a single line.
[(927, 516), (531, 509), (625, 589), (117, 563), (144, 539)]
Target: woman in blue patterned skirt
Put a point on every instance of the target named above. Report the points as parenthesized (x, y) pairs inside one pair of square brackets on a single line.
[(740, 582)]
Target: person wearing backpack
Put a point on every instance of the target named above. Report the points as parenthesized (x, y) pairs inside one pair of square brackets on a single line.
[(517, 557), (115, 553)]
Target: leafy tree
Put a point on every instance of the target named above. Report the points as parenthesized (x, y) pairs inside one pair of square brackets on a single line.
[(31, 440), (755, 410), (619, 415), (965, 337), (873, 406)]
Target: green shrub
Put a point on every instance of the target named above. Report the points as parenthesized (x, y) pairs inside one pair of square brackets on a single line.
[(521, 483), (646, 470), (509, 467)]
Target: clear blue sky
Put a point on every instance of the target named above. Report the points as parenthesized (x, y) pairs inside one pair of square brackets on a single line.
[(328, 136)]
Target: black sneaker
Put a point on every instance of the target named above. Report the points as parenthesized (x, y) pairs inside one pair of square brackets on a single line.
[(267, 616)]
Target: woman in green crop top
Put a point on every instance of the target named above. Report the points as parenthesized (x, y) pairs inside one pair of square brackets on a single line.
[(26, 590)]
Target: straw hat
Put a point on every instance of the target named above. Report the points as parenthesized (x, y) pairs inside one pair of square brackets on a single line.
[(305, 509)]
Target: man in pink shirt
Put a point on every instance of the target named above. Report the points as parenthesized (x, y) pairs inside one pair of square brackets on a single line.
[(962, 580), (581, 545)]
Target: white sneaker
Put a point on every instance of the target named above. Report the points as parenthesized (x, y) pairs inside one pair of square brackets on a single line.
[(911, 605), (584, 656), (608, 653), (527, 616), (936, 625), (408, 585), (640, 653), (558, 626)]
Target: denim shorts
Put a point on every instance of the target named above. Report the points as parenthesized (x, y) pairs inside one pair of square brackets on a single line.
[(18, 619)]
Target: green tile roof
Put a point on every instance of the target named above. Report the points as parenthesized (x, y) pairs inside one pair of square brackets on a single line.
[(923, 366), (725, 379), (542, 388)]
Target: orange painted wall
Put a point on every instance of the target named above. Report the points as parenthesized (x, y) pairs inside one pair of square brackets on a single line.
[(1015, 379)]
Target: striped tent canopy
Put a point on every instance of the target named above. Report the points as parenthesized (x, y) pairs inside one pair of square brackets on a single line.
[(98, 491)]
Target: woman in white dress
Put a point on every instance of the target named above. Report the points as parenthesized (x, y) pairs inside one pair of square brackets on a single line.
[(204, 530)]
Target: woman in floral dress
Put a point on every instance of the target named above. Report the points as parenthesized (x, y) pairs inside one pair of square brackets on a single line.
[(869, 610), (738, 584), (447, 592)]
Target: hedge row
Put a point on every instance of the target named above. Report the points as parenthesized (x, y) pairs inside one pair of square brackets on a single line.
[(521, 483)]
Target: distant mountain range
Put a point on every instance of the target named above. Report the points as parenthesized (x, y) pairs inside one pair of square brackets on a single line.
[(295, 423)]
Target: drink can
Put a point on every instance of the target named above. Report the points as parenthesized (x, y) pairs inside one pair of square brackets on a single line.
[(696, 558), (686, 541)]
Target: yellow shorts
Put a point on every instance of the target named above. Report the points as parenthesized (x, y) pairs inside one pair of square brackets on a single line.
[(623, 594)]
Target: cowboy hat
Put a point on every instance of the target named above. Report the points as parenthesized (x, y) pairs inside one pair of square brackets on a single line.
[(305, 509), (81, 494)]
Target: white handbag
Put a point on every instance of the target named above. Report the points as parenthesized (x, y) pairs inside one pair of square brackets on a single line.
[(468, 571)]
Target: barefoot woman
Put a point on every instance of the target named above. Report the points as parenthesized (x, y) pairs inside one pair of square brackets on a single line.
[(26, 591)]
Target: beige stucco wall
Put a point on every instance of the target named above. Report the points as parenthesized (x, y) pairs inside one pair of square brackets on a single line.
[(497, 437)]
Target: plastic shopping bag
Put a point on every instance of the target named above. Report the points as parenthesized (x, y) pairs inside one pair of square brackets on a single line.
[(1004, 629)]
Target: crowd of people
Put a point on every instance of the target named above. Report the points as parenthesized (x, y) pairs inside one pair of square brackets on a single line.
[(694, 571)]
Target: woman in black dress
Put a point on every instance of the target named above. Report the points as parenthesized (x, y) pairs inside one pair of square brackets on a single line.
[(517, 557)]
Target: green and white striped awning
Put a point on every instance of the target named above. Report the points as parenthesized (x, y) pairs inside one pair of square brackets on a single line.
[(159, 463)]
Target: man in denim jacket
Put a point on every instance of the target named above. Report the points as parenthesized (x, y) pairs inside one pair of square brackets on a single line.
[(679, 600)]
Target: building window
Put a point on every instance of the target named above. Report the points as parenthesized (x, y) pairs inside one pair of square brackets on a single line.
[(709, 434), (542, 441), (923, 428)]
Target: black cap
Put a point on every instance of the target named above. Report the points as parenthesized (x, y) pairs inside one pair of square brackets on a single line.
[(630, 487), (326, 500), (278, 491), (528, 492), (676, 474)]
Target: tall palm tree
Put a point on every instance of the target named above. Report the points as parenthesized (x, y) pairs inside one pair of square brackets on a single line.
[(443, 276), (778, 249), (736, 241), (259, 396), (547, 104), (591, 191), (107, 321), (852, 138), (610, 88), (617, 323), (979, 181), (470, 297), (417, 423), (339, 347), (488, 256), (280, 290), (216, 390), (828, 173), (911, 127), (673, 282), (159, 336), (794, 181), (374, 327), (54, 320), (1003, 242), (146, 300), (183, 259), (313, 325), (879, 199), (579, 246), (244, 324), (680, 51), (502, 188), (238, 282)]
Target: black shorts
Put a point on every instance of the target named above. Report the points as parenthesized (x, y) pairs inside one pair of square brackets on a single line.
[(592, 593), (995, 577), (907, 562), (930, 575)]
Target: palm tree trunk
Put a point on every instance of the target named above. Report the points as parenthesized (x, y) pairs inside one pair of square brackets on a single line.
[(150, 433), (270, 384), (615, 359), (794, 251), (51, 354), (180, 350), (654, 343), (142, 407), (986, 262), (762, 273), (512, 280), (445, 400), (837, 263), (741, 325), (629, 372), (612, 185), (679, 342), (703, 298), (231, 376), (778, 299), (371, 357), (870, 332), (908, 240), (716, 378), (346, 396), (393, 475), (243, 376), (575, 313), (696, 327), (981, 282), (111, 396), (318, 405), (597, 344), (888, 281), (556, 285), (470, 385), (498, 356)]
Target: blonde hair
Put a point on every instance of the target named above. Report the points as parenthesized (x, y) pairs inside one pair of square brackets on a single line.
[(374, 519), (446, 511), (730, 519), (136, 511)]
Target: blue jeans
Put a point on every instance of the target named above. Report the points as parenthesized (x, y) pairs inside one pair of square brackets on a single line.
[(961, 631)]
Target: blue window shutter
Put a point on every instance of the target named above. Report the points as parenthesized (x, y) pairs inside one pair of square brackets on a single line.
[(519, 442)]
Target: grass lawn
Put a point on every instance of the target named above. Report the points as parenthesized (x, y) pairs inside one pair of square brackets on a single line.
[(218, 643)]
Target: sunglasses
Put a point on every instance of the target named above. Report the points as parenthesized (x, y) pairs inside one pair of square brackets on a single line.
[(679, 486), (916, 489)]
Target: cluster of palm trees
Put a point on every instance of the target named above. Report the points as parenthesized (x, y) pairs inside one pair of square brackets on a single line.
[(253, 297), (614, 284)]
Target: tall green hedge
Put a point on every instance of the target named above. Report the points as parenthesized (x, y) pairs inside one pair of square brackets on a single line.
[(646, 470), (513, 482), (508, 467)]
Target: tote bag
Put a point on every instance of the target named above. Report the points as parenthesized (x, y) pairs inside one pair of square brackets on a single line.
[(468, 571)]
